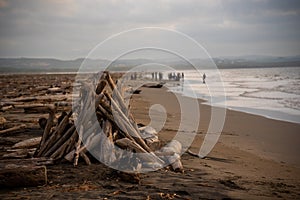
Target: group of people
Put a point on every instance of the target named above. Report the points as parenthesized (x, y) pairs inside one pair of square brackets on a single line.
[(172, 76), (176, 77), (157, 76)]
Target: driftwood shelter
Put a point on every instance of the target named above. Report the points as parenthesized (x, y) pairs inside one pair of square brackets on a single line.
[(100, 128)]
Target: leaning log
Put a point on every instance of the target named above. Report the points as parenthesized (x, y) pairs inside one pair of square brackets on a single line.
[(46, 132), (60, 141)]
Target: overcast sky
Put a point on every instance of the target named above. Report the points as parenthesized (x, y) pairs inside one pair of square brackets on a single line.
[(68, 29)]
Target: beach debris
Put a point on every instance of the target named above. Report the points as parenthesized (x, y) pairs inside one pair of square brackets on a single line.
[(154, 85)]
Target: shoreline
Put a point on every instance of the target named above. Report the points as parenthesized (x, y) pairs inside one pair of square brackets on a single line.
[(254, 111), (266, 137)]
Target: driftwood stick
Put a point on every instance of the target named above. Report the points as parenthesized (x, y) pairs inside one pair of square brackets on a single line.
[(125, 143), (85, 102), (85, 158), (38, 107), (106, 107), (60, 141), (77, 147), (70, 156), (60, 151), (48, 127), (101, 86), (132, 120), (56, 135), (116, 120), (116, 93), (133, 131), (71, 145), (15, 128), (127, 131), (107, 129)]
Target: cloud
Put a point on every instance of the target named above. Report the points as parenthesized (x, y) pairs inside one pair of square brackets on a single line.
[(54, 28), (3, 3)]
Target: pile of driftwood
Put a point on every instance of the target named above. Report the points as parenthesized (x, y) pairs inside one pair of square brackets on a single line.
[(101, 126)]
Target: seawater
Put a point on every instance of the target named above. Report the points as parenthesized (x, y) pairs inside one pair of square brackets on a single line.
[(269, 92)]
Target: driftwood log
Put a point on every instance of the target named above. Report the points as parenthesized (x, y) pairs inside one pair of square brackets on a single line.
[(12, 175)]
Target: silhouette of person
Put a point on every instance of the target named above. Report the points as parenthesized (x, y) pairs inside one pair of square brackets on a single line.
[(204, 77)]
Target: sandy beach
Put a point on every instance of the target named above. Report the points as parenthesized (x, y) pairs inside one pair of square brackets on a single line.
[(255, 157), (254, 152)]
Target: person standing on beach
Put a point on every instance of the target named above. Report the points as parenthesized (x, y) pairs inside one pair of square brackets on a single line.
[(204, 77)]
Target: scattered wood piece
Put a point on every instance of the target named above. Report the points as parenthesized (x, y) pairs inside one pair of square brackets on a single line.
[(32, 142), (15, 128), (6, 108), (36, 108), (19, 153)]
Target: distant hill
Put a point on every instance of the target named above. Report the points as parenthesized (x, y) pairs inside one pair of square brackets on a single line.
[(257, 61), (45, 64), (24, 65)]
